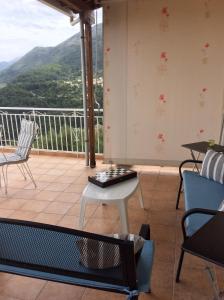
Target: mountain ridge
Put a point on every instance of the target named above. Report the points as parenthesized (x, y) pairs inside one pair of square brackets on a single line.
[(67, 53)]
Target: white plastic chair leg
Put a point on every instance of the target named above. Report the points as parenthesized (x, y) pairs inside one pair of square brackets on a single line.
[(122, 206), (141, 201), (82, 213)]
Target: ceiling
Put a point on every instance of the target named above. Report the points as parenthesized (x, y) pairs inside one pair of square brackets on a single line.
[(76, 6)]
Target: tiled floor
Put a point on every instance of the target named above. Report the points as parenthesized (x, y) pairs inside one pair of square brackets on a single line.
[(56, 200)]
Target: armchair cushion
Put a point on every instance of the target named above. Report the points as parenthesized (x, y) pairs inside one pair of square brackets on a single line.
[(200, 192), (213, 166)]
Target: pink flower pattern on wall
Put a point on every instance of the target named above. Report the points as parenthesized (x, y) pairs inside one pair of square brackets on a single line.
[(202, 96), (163, 62), (161, 105), (164, 19), (161, 137), (205, 50), (159, 147), (162, 98), (200, 133), (207, 9)]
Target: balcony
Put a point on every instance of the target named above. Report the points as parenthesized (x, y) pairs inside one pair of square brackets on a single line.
[(60, 181)]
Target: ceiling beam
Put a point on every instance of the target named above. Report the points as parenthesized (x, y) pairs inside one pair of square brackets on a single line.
[(66, 6), (58, 6), (77, 5)]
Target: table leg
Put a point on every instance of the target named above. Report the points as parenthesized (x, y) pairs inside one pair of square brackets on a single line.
[(122, 206), (82, 213), (140, 195), (194, 158)]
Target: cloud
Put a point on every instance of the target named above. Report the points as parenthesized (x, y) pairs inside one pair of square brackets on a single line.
[(25, 24)]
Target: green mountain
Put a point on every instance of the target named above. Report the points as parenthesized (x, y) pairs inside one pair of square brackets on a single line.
[(51, 76), (64, 54)]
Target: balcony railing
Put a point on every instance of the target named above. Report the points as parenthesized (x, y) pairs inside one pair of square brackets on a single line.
[(60, 129)]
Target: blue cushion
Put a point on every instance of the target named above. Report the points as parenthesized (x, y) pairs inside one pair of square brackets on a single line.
[(144, 267), (200, 192)]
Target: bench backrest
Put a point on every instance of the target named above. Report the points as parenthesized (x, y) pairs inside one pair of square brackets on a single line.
[(67, 252)]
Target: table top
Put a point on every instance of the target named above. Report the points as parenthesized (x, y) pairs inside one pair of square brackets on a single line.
[(208, 242), (203, 146), (119, 191)]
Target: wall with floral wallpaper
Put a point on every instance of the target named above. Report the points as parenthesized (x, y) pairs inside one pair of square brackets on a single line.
[(163, 78)]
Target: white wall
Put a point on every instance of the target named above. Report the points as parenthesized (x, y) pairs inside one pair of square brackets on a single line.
[(163, 77)]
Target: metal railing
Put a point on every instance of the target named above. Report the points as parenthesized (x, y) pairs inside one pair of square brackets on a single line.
[(60, 129)]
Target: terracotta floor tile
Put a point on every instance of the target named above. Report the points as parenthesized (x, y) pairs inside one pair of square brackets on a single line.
[(167, 183), (73, 172), (11, 192), (48, 218), (148, 181), (138, 215), (26, 194), (162, 275), (4, 297), (76, 188), (101, 226), (4, 213), (69, 222), (12, 203), (18, 183), (56, 187), (91, 294), (59, 291), (55, 172), (163, 217), (164, 252), (75, 210), (40, 185), (35, 205), (106, 212), (20, 287), (68, 197), (23, 215), (66, 179), (47, 195), (194, 285), (39, 171), (58, 207), (163, 233), (82, 180), (48, 178)]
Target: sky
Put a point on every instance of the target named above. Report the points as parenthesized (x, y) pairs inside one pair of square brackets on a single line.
[(25, 24)]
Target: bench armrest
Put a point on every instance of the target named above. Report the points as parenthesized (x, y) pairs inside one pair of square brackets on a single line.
[(195, 211), (185, 162)]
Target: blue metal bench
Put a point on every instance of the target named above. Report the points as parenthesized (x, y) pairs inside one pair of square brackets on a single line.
[(53, 253)]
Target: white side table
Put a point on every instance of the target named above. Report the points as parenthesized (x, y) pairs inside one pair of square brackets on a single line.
[(116, 194)]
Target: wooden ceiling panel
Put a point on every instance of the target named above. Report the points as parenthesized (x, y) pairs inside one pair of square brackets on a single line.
[(76, 6)]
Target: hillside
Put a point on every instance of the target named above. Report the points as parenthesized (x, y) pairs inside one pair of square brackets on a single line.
[(5, 64), (65, 54), (49, 76)]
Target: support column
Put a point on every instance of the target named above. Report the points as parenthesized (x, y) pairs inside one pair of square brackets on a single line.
[(90, 100), (83, 67)]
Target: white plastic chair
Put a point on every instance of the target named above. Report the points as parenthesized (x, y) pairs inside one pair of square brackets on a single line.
[(28, 133)]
